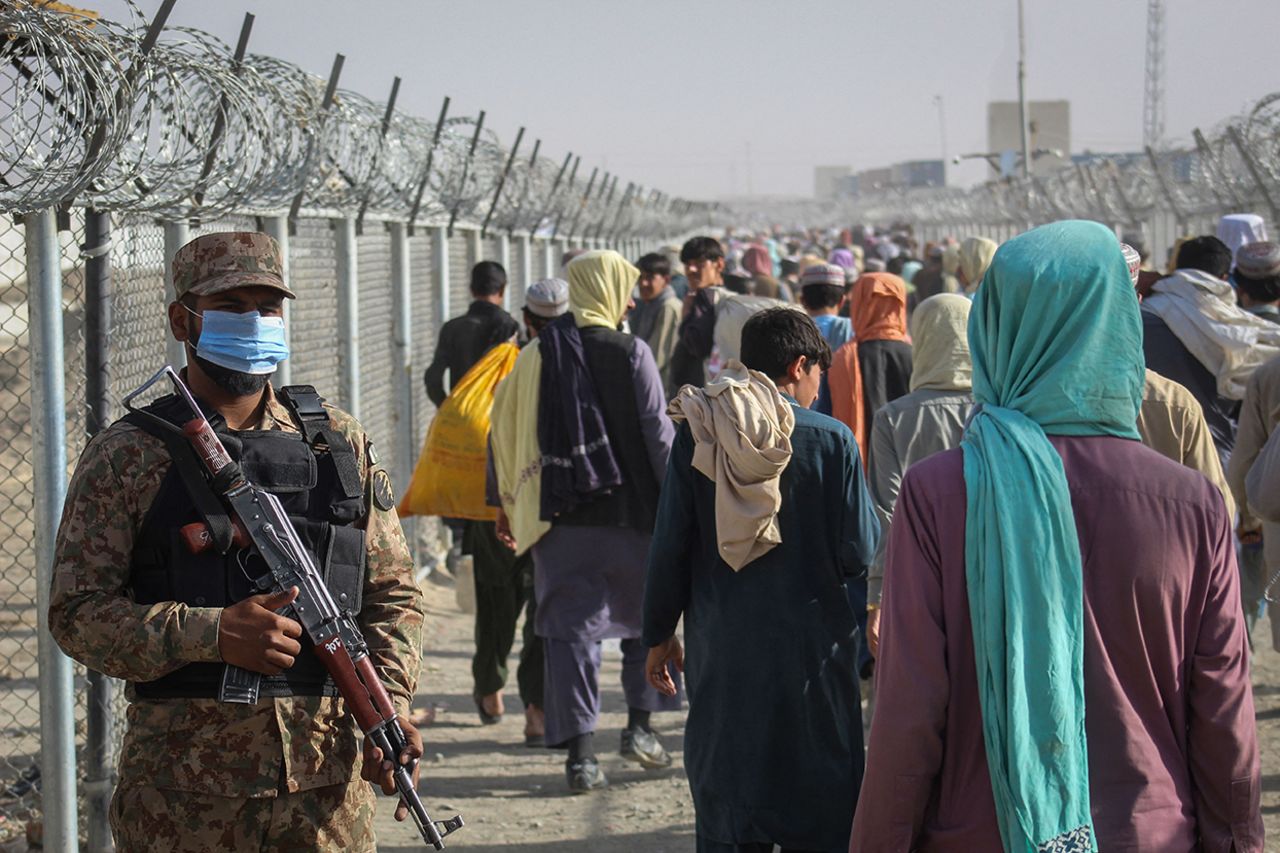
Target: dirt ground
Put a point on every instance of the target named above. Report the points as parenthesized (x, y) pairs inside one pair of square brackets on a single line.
[(514, 798)]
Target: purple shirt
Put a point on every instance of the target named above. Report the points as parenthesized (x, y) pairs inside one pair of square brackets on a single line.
[(1173, 754)]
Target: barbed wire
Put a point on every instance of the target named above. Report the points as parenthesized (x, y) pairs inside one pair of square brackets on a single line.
[(59, 115), (1235, 166), (92, 113)]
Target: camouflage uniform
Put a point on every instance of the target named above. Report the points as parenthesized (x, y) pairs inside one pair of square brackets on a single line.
[(197, 774)]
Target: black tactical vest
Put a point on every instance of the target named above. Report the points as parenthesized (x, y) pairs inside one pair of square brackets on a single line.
[(314, 475)]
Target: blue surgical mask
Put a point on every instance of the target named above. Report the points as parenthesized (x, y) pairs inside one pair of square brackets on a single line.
[(245, 343)]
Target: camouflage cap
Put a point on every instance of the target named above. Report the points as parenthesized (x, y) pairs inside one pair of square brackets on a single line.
[(215, 263)]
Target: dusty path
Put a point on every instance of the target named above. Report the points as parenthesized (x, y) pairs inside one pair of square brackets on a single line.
[(513, 798)]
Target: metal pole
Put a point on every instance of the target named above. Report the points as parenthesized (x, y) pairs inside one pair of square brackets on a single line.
[(1164, 186), (526, 259), (402, 360), (573, 173), (551, 196), (97, 319), (466, 166), (426, 169), (1216, 168), (582, 204), (502, 182), (348, 314), (1022, 95), (1114, 173), (313, 141), (440, 254), (49, 476), (474, 253), (548, 259), (942, 133), (1254, 171), (176, 235), (220, 120), (504, 258), (515, 217), (278, 228), (99, 747), (373, 163)]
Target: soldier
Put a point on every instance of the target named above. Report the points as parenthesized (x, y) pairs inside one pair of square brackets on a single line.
[(130, 601)]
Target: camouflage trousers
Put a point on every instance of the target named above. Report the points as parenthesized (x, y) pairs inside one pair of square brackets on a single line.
[(333, 818)]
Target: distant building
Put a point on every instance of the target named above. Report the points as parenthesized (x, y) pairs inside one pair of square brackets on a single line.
[(920, 173), (911, 174), (829, 181), (1049, 129)]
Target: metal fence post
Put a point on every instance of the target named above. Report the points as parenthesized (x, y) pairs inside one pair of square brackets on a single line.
[(49, 469), (440, 254), (278, 228), (176, 235), (348, 314), (548, 258), (402, 364), (526, 260), (504, 258), (99, 741)]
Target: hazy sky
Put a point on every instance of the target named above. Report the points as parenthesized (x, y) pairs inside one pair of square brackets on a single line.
[(706, 98)]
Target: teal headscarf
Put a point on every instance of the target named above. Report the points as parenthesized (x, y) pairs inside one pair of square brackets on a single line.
[(1056, 340)]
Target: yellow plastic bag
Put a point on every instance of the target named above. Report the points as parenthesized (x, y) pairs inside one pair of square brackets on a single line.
[(449, 477)]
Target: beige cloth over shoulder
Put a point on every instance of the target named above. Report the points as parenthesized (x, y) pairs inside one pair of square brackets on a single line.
[(741, 430), (1201, 311), (1171, 422)]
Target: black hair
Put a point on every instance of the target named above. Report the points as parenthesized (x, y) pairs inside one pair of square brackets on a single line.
[(1263, 289), (894, 265), (737, 283), (790, 266), (488, 278), (536, 322), (815, 297), (654, 263), (701, 249), (773, 339), (1207, 254)]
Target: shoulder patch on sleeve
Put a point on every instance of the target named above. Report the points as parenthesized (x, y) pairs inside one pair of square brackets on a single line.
[(384, 497)]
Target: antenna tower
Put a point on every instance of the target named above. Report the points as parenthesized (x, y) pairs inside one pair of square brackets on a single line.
[(1153, 95)]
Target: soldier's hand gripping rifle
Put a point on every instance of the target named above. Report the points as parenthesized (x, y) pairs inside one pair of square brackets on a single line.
[(261, 523)]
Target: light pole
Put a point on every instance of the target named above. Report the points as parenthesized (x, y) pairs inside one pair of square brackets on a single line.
[(942, 133), (1022, 94)]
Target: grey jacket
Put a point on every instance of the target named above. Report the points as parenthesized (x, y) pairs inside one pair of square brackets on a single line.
[(905, 431)]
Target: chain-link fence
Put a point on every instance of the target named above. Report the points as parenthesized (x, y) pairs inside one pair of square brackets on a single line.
[(134, 144), (132, 320), (20, 776)]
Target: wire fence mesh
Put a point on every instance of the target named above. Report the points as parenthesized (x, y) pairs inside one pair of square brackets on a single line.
[(19, 671), (136, 345), (19, 710), (168, 134)]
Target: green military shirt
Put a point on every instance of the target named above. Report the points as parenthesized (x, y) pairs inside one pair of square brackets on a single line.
[(202, 745)]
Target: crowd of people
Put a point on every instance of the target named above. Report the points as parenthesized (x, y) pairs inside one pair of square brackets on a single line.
[(1008, 502), (953, 547)]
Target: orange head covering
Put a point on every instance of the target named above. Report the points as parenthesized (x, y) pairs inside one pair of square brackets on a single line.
[(878, 309)]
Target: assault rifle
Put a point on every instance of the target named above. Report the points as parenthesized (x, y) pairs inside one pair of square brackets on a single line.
[(260, 523)]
